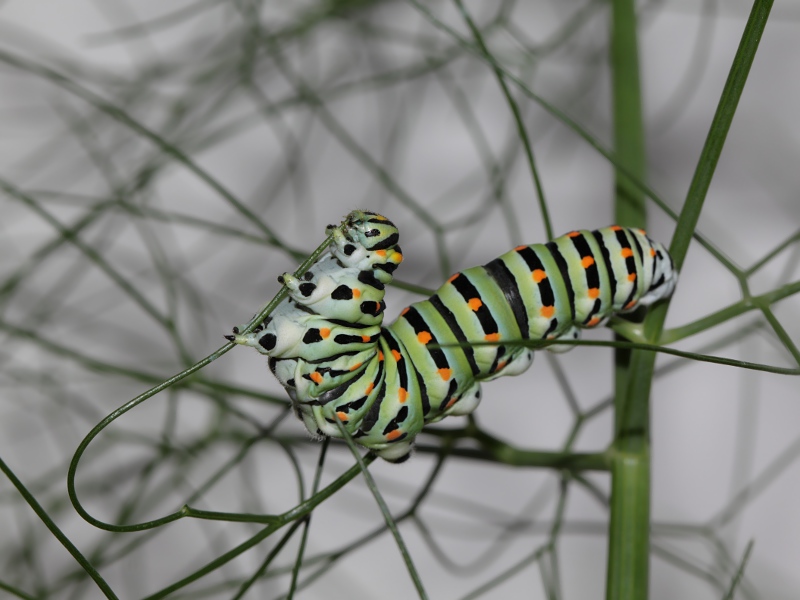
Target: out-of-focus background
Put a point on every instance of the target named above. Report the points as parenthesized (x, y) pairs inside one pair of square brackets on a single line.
[(162, 163)]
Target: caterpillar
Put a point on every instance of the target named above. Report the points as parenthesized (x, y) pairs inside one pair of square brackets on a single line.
[(328, 348)]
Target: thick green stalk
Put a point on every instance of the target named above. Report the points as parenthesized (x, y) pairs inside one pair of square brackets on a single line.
[(630, 502), (628, 122), (629, 527)]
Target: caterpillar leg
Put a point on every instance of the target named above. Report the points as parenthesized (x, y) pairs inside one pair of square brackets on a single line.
[(467, 403), (459, 406), (324, 426), (304, 412), (318, 426), (518, 363), (573, 333), (396, 452)]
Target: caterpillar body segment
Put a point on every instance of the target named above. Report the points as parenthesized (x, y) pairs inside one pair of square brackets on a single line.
[(328, 349)]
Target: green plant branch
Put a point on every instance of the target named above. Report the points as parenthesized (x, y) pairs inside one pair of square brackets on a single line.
[(629, 144), (521, 129), (259, 318), (627, 573), (649, 348), (298, 563), (498, 451), (506, 574), (331, 558), (557, 113), (273, 553), (355, 149), (497, 170), (578, 129), (729, 312), (739, 571), (387, 515), (772, 253), (57, 533), (298, 512), (122, 117), (718, 132), (631, 581), (100, 366), (757, 486), (191, 119), (16, 591), (779, 330), (712, 148), (91, 254)]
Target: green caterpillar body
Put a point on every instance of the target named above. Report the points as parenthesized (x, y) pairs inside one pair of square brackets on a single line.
[(328, 349)]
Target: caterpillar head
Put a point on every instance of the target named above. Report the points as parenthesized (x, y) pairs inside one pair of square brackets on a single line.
[(367, 241), (370, 230), (665, 277)]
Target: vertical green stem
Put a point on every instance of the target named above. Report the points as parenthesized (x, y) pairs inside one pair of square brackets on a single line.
[(628, 549), (629, 527), (627, 115)]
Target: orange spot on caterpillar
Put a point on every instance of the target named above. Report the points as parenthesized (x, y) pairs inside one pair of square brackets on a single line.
[(630, 304), (500, 366), (424, 337), (615, 228), (492, 337), (626, 253), (643, 232), (356, 366), (594, 292), (365, 339), (342, 416), (356, 293), (475, 303), (380, 355), (445, 373), (393, 435), (452, 401), (402, 395), (316, 377), (632, 277), (652, 251), (538, 275), (397, 356), (405, 310), (547, 311), (587, 261), (593, 321), (518, 248), (380, 252), (397, 258), (453, 277), (370, 387), (573, 234), (325, 332)]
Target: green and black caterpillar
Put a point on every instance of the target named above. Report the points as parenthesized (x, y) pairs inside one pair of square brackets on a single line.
[(327, 347)]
